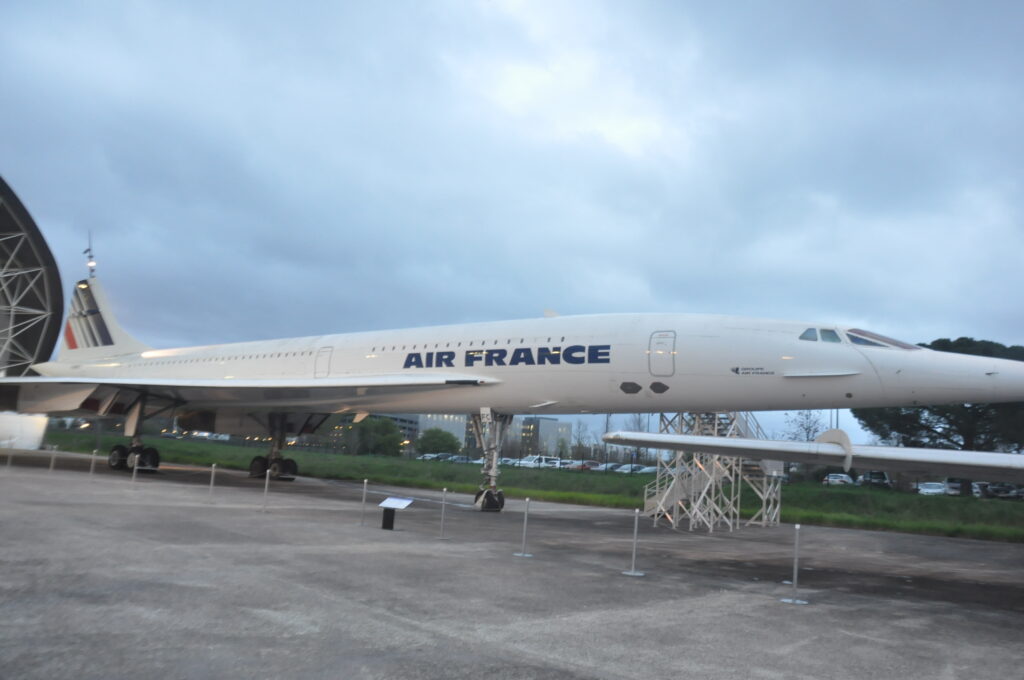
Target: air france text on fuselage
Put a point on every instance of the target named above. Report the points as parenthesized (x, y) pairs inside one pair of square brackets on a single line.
[(519, 356)]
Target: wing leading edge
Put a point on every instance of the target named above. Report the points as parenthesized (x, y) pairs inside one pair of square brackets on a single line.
[(985, 465)]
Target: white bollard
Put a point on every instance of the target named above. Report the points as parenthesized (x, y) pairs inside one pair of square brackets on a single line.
[(53, 461), (92, 463), (636, 528), (213, 473), (526, 517), (266, 490), (135, 470), (444, 499), (362, 513), (796, 568)]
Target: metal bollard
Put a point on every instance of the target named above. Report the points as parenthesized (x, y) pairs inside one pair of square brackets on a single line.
[(444, 499), (796, 568), (362, 513), (636, 528), (53, 461), (526, 517), (213, 473), (92, 463), (266, 490), (135, 470)]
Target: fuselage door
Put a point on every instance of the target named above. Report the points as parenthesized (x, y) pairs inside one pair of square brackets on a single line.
[(322, 369), (661, 355)]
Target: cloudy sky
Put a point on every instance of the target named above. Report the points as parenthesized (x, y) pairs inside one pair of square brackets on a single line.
[(261, 169)]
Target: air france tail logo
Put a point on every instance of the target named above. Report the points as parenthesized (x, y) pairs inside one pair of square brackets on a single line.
[(520, 356), (85, 326)]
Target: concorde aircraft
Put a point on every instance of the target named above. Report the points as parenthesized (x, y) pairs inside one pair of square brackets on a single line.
[(604, 363)]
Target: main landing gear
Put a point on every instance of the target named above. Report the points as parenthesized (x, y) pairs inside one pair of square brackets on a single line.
[(489, 429), (135, 455), (283, 469)]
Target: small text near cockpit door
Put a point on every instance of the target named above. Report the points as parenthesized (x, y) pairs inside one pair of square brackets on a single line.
[(322, 369), (661, 354)]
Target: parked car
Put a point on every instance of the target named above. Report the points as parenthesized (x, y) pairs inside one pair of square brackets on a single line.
[(458, 459), (931, 489), (583, 465), (1003, 490), (837, 479), (538, 462), (875, 478), (630, 468), (426, 456), (648, 470), (606, 467)]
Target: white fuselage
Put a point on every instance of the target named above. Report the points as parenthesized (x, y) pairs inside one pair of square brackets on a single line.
[(621, 363)]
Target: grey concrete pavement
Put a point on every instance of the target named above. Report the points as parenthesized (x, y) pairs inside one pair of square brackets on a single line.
[(102, 580)]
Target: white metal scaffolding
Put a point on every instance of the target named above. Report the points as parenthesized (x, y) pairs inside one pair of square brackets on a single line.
[(705, 489)]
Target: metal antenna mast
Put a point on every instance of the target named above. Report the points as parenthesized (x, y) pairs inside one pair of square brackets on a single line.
[(92, 260)]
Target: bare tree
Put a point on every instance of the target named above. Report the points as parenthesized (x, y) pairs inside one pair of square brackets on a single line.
[(638, 422), (580, 439), (803, 426)]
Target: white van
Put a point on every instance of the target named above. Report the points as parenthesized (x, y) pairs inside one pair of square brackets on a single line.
[(539, 462)]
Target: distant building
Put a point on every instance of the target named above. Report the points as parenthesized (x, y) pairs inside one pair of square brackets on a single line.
[(453, 424), (540, 436)]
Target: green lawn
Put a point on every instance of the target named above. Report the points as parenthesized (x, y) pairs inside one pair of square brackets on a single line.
[(805, 502)]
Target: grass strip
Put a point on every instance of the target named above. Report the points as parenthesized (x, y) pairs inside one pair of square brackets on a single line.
[(807, 502)]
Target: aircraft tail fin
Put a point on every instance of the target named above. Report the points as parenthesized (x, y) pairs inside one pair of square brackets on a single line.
[(91, 330)]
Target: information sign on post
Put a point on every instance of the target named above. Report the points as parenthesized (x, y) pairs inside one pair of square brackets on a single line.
[(390, 504)]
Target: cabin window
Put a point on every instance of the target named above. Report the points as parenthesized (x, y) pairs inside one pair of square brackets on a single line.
[(810, 334)]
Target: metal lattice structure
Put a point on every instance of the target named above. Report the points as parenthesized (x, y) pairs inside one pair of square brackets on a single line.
[(705, 488), (31, 298)]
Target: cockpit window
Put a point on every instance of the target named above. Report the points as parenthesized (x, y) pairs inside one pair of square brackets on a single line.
[(829, 335), (869, 339), (810, 334)]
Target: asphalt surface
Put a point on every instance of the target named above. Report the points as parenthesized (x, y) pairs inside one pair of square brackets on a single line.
[(105, 578)]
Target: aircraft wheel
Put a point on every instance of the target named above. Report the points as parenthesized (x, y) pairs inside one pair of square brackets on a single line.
[(116, 459), (258, 466), (149, 458), (276, 468), (290, 467), (132, 459), (490, 501)]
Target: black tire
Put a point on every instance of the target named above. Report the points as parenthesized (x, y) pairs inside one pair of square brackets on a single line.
[(276, 468), (258, 466), (291, 468), (149, 458), (118, 457), (490, 501)]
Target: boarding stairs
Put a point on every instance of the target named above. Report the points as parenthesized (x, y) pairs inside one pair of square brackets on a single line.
[(704, 489)]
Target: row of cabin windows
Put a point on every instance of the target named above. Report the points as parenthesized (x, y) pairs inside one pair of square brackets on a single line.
[(241, 357), (447, 345)]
